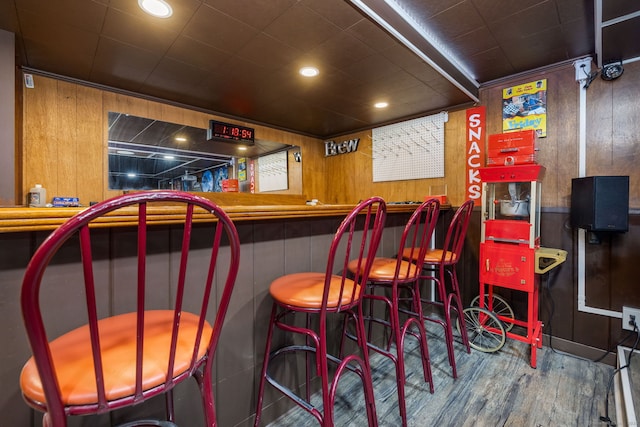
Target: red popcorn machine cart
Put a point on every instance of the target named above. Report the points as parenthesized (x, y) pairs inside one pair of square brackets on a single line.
[(510, 257)]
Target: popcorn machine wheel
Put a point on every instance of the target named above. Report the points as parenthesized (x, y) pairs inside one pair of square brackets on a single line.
[(510, 258)]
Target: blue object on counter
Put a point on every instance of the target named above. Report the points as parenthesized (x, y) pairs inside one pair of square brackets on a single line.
[(65, 202)]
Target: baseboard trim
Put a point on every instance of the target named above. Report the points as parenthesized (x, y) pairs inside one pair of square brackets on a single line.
[(579, 350)]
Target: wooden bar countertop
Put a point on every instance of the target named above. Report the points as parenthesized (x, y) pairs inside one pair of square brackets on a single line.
[(16, 219)]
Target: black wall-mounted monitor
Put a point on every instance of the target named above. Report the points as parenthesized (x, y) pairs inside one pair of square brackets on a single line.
[(230, 133)]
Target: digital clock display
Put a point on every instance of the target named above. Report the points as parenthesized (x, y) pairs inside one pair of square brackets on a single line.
[(231, 133)]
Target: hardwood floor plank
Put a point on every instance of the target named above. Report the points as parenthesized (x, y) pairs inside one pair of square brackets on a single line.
[(492, 389)]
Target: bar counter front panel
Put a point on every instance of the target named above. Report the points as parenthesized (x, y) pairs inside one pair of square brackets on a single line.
[(274, 242)]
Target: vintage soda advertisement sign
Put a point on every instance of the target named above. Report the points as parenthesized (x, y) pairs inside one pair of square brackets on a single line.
[(525, 107)]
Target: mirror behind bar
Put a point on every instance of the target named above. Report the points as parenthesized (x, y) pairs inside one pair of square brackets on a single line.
[(147, 154)]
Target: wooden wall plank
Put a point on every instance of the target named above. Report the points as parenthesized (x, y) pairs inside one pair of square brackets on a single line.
[(40, 136), (92, 146), (66, 141)]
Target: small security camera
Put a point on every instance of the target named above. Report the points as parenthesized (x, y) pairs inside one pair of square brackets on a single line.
[(612, 70)]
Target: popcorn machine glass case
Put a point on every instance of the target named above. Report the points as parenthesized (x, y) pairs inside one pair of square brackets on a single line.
[(511, 204)]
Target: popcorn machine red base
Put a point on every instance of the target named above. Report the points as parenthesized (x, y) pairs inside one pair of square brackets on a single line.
[(510, 257)]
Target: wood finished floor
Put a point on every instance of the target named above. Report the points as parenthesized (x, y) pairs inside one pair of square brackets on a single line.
[(492, 389)]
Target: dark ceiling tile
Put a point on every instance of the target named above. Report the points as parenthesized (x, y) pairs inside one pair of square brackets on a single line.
[(403, 57), (341, 50), (373, 36), (493, 11), (454, 21), (396, 83), (117, 62), (301, 28), (256, 13), (490, 65), (472, 43), (612, 9), (221, 31), (548, 43), (268, 52), (174, 78), (49, 43), (87, 15), (198, 54), (422, 10), (520, 26), (576, 10), (424, 73), (577, 36), (143, 33), (371, 68), (341, 14), (615, 40), (8, 17)]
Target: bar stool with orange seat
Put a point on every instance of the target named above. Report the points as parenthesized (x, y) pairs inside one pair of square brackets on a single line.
[(318, 295), (128, 357), (397, 273), (444, 260)]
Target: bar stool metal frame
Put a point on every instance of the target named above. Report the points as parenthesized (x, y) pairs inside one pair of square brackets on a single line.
[(122, 360), (396, 274), (318, 295), (440, 267)]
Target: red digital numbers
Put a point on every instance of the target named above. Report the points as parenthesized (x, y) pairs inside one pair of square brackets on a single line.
[(228, 131)]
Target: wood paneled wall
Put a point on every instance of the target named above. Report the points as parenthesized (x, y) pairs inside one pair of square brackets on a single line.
[(351, 174), (65, 139)]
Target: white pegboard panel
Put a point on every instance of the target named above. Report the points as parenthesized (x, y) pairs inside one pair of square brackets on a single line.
[(413, 149), (272, 172)]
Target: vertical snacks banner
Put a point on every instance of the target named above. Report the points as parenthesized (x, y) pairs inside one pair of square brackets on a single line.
[(525, 107), (476, 129)]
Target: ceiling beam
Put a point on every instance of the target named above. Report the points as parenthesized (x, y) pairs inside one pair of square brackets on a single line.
[(403, 28)]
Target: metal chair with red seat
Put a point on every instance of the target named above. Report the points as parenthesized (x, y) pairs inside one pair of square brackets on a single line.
[(396, 274), (317, 295), (444, 261), (124, 359)]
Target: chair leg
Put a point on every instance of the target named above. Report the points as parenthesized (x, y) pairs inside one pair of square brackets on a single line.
[(394, 318), (445, 302), (265, 363), (168, 401), (206, 395), (459, 308), (422, 334), (366, 371)]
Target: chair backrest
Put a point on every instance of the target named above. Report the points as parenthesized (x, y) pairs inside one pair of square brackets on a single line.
[(221, 266), (456, 233), (357, 238), (415, 240)]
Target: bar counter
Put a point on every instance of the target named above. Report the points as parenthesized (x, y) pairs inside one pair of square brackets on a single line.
[(39, 219)]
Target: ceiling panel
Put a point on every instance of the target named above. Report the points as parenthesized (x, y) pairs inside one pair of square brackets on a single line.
[(239, 58)]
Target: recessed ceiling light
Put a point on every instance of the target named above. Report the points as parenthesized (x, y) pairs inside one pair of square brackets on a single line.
[(181, 138), (125, 152), (157, 8), (131, 175), (381, 104), (168, 157), (242, 148), (309, 71)]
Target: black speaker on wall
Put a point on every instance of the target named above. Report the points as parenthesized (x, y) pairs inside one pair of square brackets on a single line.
[(600, 203)]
